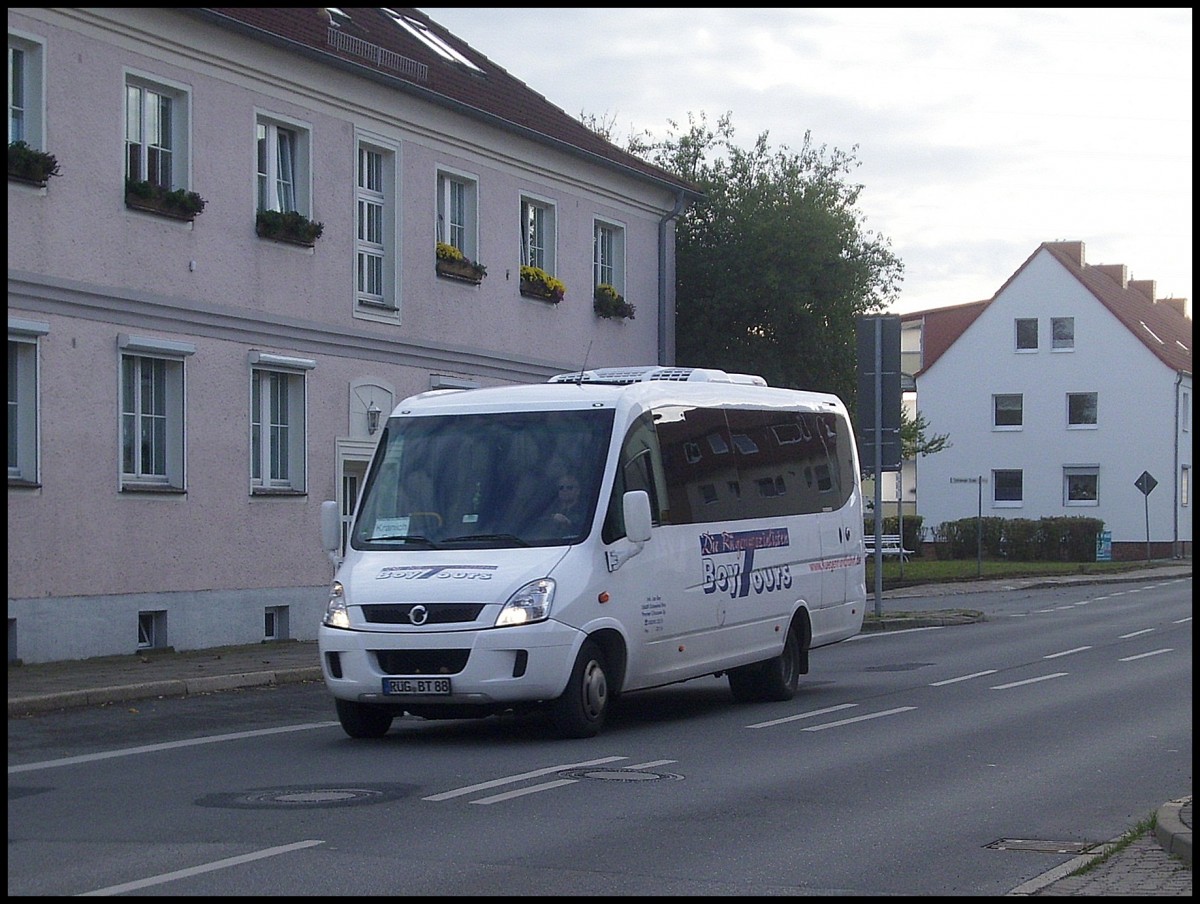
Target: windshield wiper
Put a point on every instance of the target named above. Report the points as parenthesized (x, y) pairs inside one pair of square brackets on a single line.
[(405, 538), (486, 538)]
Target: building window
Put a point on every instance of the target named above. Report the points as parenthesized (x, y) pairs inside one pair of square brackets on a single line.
[(375, 257), (1007, 411), (1185, 411), (1080, 485), (152, 412), (1007, 491), (283, 166), (457, 200), (1062, 333), (1185, 477), (156, 134), (537, 234), (608, 256), (420, 31), (25, 117), (1027, 334), (1081, 409), (278, 437), (23, 402)]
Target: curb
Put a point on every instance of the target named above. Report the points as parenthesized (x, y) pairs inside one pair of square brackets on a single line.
[(175, 687), (1172, 832), (933, 619)]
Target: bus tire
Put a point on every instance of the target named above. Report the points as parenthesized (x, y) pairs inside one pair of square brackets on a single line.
[(771, 681), (361, 720), (781, 675), (582, 708)]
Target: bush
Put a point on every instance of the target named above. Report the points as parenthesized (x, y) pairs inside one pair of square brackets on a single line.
[(1058, 539)]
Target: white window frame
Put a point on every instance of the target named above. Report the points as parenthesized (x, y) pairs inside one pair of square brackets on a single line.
[(1066, 327), (174, 143), (457, 213), (278, 435), (996, 425), (1077, 471), (1083, 425), (1185, 485), (24, 400), (27, 99), (1007, 503), (608, 254), (1185, 411), (539, 233), (142, 352), (376, 250), (1025, 349), (273, 136)]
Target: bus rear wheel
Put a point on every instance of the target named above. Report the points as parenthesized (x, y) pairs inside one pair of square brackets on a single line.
[(773, 680)]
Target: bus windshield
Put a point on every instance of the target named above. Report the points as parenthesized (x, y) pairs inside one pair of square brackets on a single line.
[(527, 478)]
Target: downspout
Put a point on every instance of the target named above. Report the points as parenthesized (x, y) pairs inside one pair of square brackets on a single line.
[(1176, 552), (664, 318)]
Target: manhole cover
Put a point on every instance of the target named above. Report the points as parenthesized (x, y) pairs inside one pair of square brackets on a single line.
[(1041, 846), (621, 775), (304, 797)]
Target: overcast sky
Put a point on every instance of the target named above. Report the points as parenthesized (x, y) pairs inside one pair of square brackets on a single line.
[(979, 133)]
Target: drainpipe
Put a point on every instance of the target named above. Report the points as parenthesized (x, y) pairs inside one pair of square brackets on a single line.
[(664, 317), (1176, 551)]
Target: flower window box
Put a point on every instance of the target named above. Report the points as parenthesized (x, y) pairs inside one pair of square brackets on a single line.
[(291, 227), (178, 205), (29, 165), (611, 304), (537, 283), (450, 263)]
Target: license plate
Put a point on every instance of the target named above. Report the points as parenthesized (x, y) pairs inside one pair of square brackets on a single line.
[(437, 687)]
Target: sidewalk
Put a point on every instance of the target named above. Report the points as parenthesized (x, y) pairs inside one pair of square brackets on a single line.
[(1157, 863)]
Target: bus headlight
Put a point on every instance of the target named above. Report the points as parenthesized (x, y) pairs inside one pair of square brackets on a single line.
[(336, 615), (529, 604)]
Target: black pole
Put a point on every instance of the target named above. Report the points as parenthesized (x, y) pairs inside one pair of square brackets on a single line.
[(979, 533)]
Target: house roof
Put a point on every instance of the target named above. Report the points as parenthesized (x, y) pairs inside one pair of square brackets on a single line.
[(371, 42), (1158, 323)]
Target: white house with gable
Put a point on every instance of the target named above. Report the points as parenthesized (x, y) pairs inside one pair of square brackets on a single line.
[(1060, 392)]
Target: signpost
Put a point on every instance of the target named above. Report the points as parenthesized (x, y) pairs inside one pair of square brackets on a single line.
[(978, 521), (1146, 483)]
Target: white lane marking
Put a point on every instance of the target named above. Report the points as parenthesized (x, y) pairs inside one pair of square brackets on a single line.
[(168, 745), (963, 678), (197, 870), (808, 715), (1144, 655), (1065, 652), (536, 773), (1136, 633), (1004, 687), (558, 783), (521, 792), (1182, 621), (886, 712)]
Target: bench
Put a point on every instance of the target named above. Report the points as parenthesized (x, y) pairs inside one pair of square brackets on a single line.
[(889, 545)]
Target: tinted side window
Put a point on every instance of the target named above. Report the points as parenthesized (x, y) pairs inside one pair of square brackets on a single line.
[(731, 464)]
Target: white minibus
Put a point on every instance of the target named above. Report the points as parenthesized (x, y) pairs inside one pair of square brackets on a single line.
[(556, 545)]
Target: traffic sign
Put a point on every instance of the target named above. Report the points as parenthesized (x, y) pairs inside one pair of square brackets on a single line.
[(1145, 483)]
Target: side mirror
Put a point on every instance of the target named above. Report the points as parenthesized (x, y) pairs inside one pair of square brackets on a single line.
[(331, 526), (636, 504)]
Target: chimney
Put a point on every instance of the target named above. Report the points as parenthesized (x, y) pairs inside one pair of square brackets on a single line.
[(1117, 272), (1073, 250), (1178, 304), (1145, 286)]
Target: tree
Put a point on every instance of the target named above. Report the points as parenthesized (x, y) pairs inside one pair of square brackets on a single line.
[(774, 267), (914, 442)]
